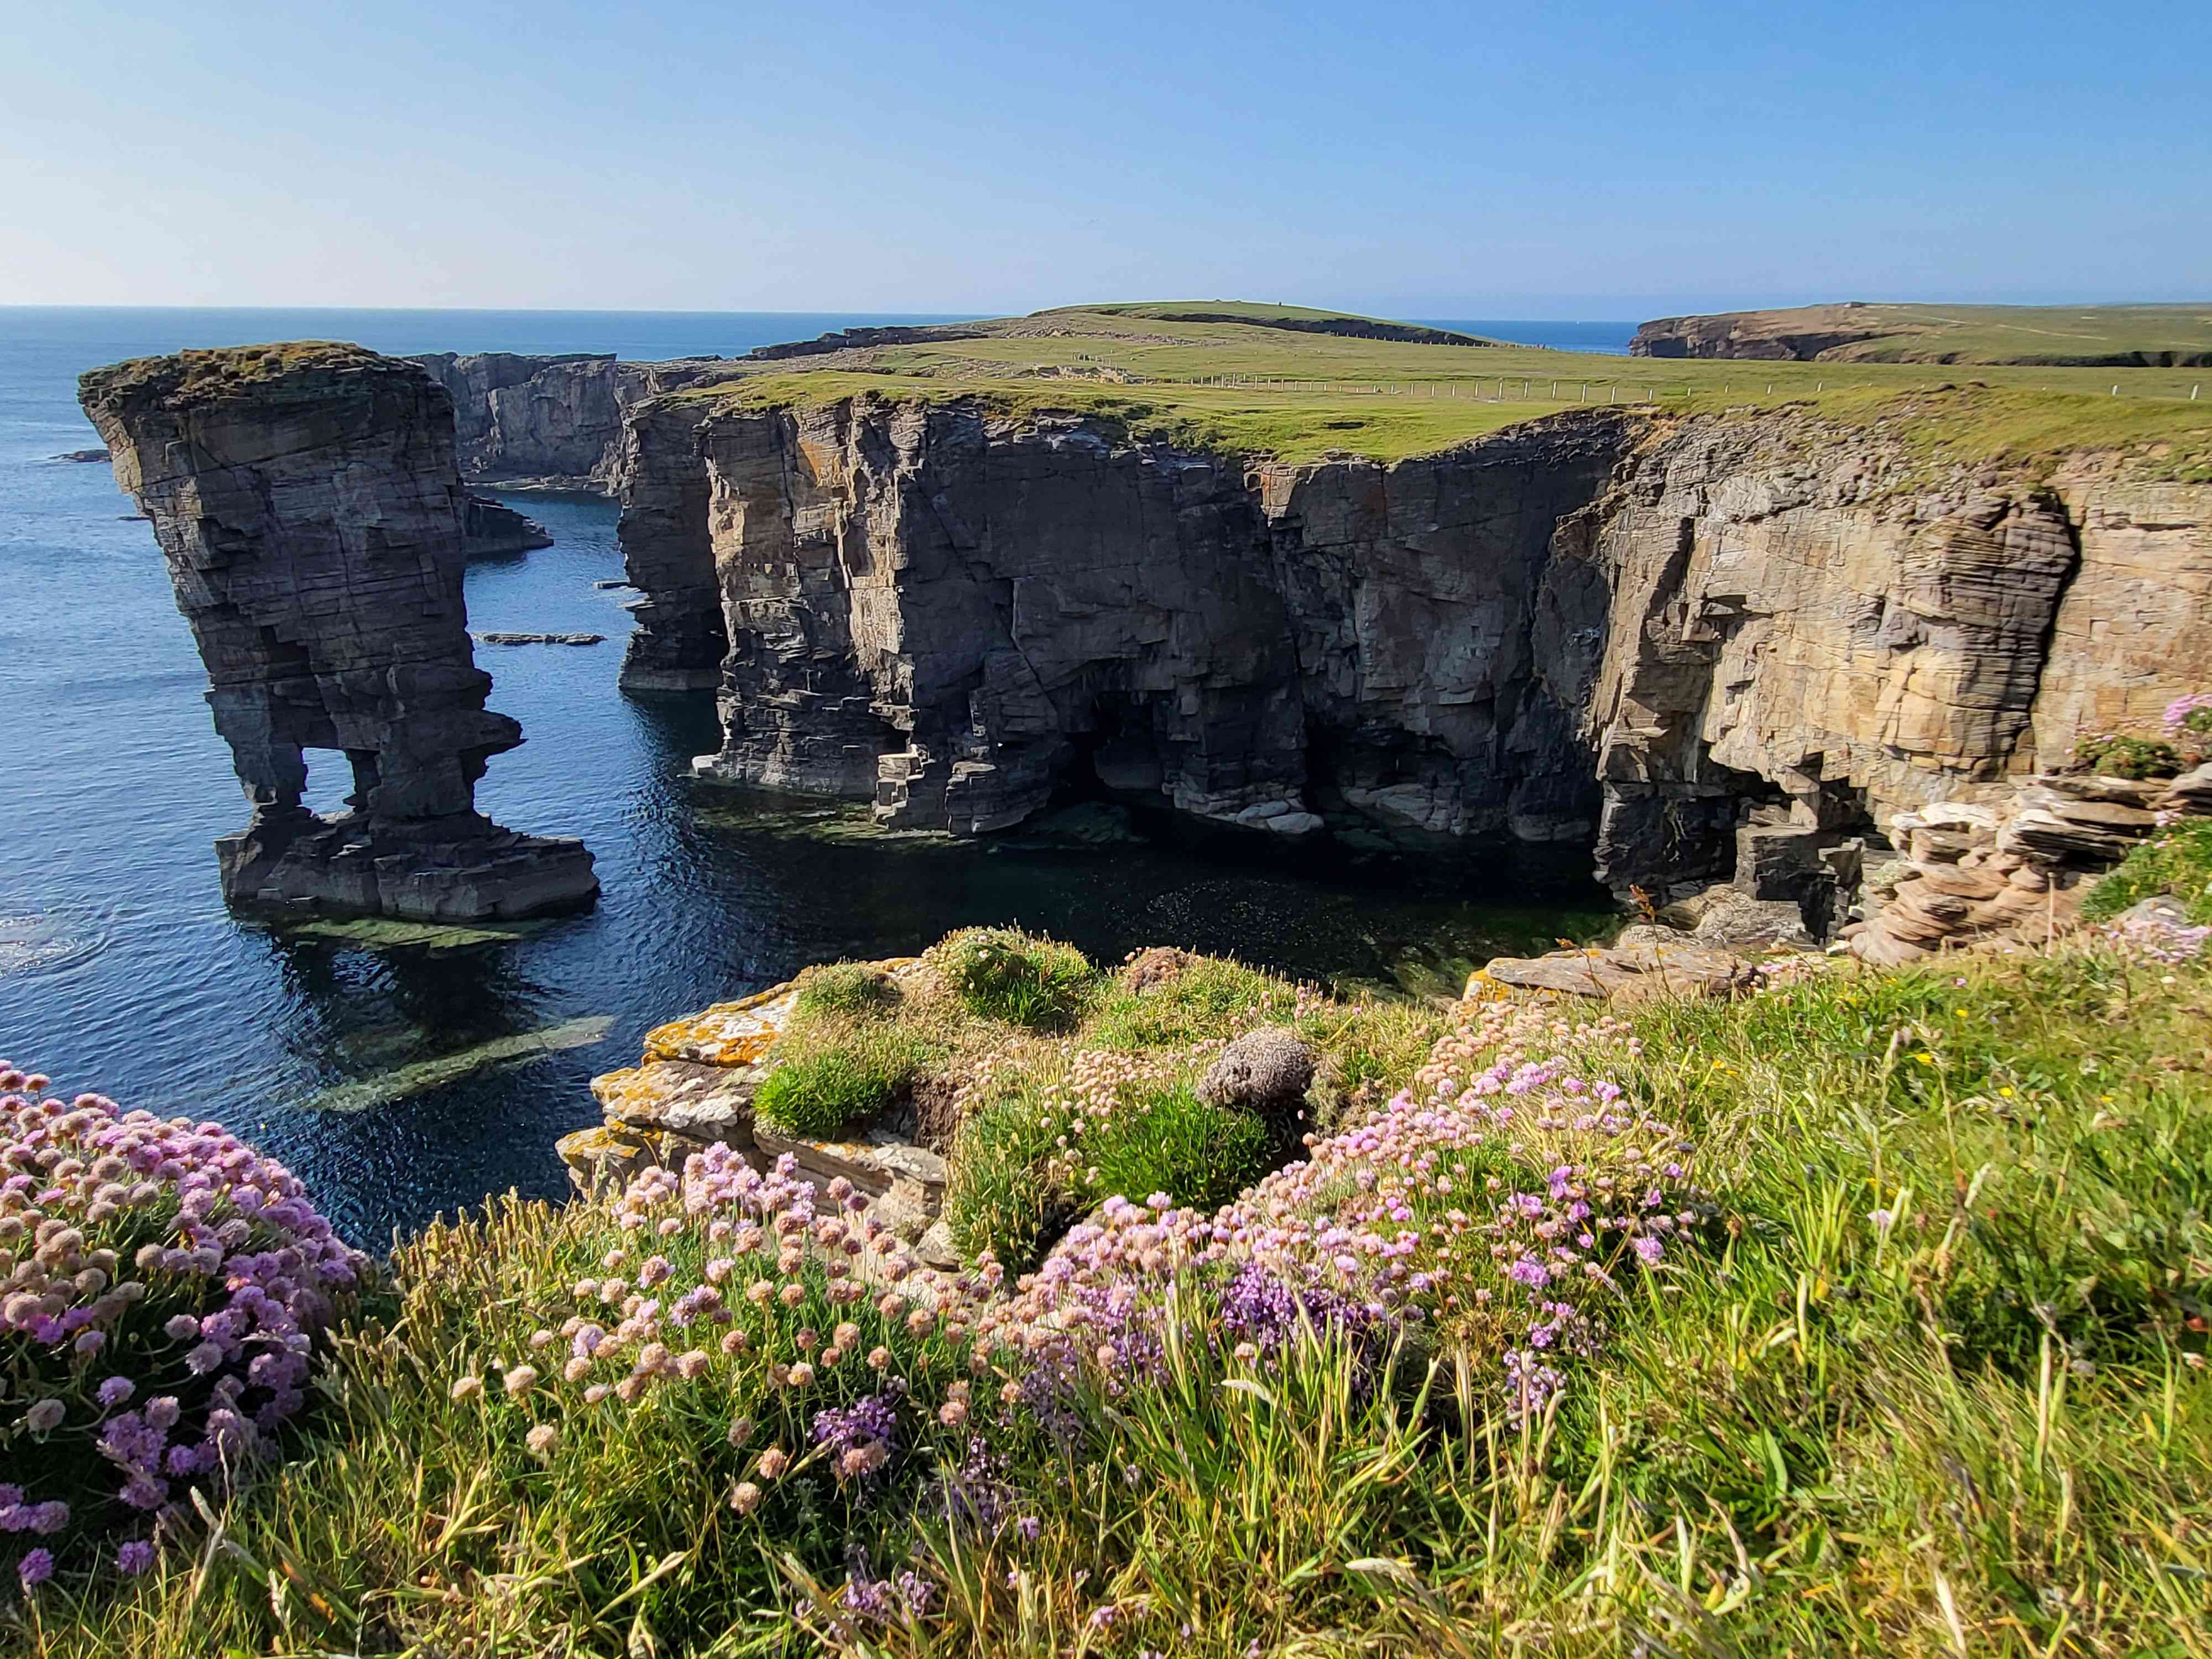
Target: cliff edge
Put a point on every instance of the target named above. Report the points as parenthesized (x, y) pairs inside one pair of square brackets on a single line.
[(1708, 645)]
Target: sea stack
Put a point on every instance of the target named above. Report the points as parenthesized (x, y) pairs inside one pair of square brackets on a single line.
[(308, 500)]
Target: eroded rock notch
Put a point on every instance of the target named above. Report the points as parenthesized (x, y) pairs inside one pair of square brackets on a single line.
[(307, 500)]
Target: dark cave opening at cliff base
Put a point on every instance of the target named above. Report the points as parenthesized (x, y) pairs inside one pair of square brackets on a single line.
[(1107, 789)]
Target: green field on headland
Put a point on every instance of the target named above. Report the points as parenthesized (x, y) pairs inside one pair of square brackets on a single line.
[(1255, 387), (2080, 336)]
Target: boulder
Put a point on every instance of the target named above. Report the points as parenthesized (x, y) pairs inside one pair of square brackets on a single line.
[(1265, 1071)]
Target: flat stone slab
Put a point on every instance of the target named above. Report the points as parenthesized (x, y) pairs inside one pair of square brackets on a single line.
[(1631, 973), (702, 1102), (874, 1164), (727, 1034)]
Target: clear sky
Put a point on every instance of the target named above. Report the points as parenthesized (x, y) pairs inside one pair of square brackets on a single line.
[(1543, 158)]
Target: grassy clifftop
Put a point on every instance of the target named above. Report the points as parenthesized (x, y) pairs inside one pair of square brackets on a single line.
[(2133, 336), (1242, 380)]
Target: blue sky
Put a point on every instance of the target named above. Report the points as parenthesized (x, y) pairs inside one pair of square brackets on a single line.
[(1526, 160)]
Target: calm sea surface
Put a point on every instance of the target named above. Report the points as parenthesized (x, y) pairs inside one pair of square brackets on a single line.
[(399, 1080)]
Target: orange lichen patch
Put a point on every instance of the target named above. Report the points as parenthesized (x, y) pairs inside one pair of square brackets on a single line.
[(728, 1034), (631, 1086)]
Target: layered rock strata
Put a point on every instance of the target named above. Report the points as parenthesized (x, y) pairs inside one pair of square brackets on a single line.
[(548, 422), (1805, 617), (307, 501), (668, 553), (491, 530), (693, 1088), (954, 613), (1726, 646), (1995, 874)]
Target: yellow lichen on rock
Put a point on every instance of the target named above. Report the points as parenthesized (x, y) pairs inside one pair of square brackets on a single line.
[(728, 1034)]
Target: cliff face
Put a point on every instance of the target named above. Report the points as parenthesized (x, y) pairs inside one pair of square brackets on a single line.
[(1705, 644), (1799, 614), (956, 614), (548, 422), (1797, 335), (668, 554), (306, 500)]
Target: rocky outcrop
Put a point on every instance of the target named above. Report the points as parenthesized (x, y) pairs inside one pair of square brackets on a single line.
[(1724, 647), (1794, 336), (307, 501), (1633, 971), (693, 1088), (2012, 871), (954, 613), (1804, 617), (491, 530), (548, 422), (855, 339), (668, 554)]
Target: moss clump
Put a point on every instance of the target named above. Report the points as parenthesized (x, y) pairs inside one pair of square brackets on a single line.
[(2129, 757), (853, 989), (1002, 972), (2179, 862)]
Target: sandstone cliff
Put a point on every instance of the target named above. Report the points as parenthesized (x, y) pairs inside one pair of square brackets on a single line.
[(1690, 642), (954, 613), (1808, 614), (306, 500), (549, 421)]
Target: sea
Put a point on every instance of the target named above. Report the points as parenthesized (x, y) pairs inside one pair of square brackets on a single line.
[(403, 1073)]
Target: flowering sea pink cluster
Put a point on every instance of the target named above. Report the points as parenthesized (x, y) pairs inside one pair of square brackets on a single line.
[(2154, 939), (2191, 714), (162, 1287), (1504, 1192)]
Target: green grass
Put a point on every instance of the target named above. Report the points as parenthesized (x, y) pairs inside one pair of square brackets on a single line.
[(853, 989), (1001, 973), (2179, 862), (815, 1096), (1021, 1171), (2087, 336), (1928, 1379), (1244, 387)]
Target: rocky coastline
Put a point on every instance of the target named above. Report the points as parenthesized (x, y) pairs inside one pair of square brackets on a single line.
[(1655, 635), (1729, 648)]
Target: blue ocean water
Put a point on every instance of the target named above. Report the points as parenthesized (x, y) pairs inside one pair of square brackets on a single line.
[(120, 968), (1611, 338)]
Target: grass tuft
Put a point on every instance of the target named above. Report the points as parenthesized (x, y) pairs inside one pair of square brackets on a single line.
[(2179, 862), (1002, 972), (853, 989)]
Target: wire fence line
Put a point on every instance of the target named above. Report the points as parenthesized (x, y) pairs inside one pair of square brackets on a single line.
[(1541, 389)]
